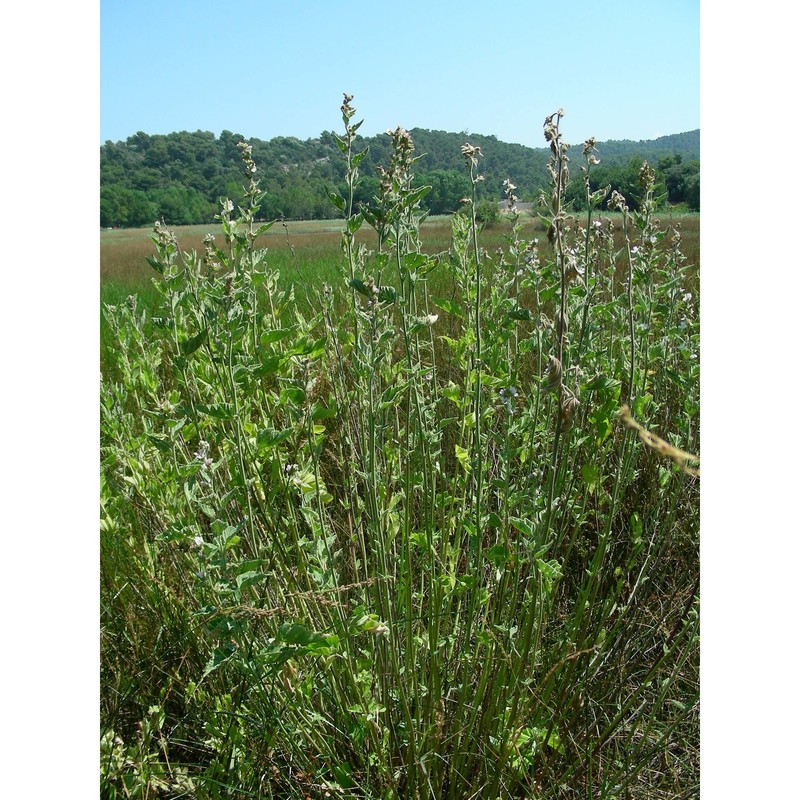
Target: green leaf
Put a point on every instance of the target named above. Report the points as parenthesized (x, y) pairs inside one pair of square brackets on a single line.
[(293, 395), (354, 223), (220, 656), (344, 775), (295, 633), (155, 264), (546, 294), (321, 411), (640, 404), (269, 365), (269, 437), (549, 570), (161, 443), (413, 261), (359, 286), (264, 228), (522, 525), (387, 294), (591, 476), (251, 564), (448, 305), (305, 346), (275, 335), (554, 741), (217, 410), (462, 454), (452, 392), (417, 195), (334, 197), (498, 555), (246, 579)]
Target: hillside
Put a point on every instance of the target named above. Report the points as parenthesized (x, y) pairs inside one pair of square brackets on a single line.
[(181, 176)]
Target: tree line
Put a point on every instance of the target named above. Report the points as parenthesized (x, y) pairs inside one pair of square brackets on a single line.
[(180, 177)]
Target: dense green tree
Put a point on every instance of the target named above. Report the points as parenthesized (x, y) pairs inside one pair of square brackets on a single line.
[(183, 175), (448, 187), (367, 189), (677, 177), (181, 205), (625, 180), (692, 192), (120, 206)]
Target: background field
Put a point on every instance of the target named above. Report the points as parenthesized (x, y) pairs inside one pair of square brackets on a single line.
[(306, 253)]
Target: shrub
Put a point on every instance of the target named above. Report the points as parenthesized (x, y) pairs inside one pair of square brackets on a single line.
[(403, 546)]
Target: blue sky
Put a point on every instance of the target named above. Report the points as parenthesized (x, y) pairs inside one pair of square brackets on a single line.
[(263, 69)]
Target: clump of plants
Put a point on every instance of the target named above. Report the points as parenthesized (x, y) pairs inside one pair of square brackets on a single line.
[(402, 546)]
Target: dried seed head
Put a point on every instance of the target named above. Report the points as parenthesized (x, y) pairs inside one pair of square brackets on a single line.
[(572, 269), (289, 676), (553, 374), (569, 405), (617, 201), (210, 256), (531, 253), (347, 109), (471, 154), (511, 198), (647, 176), (163, 235), (562, 323), (247, 159)]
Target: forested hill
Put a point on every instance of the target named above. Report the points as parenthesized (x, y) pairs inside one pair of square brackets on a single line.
[(181, 176)]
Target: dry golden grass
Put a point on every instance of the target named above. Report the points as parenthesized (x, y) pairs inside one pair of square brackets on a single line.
[(123, 253)]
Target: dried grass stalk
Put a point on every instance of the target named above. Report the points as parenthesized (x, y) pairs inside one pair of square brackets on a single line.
[(680, 457)]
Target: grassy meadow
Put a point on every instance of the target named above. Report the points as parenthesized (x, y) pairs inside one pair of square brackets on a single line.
[(308, 254), (310, 251), (399, 509)]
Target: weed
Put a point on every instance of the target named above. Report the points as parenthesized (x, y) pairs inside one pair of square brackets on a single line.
[(389, 540)]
